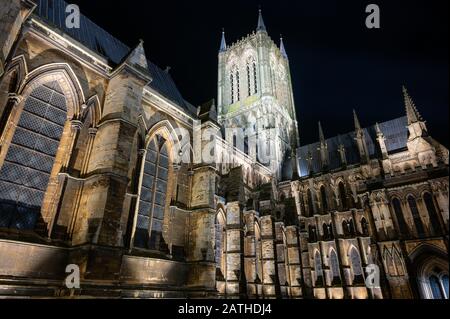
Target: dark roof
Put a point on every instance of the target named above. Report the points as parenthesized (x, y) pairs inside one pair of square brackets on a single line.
[(395, 132), (104, 44)]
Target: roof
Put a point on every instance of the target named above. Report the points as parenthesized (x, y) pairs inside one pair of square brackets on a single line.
[(104, 44), (395, 132)]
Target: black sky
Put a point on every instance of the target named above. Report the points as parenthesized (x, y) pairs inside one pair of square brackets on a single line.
[(337, 64)]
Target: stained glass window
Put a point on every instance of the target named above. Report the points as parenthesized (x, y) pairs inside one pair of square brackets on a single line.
[(25, 173), (416, 216), (152, 201)]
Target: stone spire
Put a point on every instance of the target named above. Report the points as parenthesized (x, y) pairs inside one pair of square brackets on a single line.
[(356, 120), (323, 149), (411, 110), (342, 153), (321, 135), (261, 25), (282, 49), (417, 127), (223, 43), (360, 140), (381, 141)]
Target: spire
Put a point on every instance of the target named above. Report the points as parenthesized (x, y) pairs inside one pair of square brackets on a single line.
[(378, 129), (137, 56), (381, 141), (223, 43), (321, 135), (411, 110), (261, 25), (282, 49), (357, 123), (323, 148)]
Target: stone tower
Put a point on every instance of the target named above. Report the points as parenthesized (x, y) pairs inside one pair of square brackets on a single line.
[(255, 101)]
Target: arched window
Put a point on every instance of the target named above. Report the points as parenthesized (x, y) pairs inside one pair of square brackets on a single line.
[(416, 216), (436, 288), (403, 229), (318, 269), (25, 173), (232, 91), (238, 86), (434, 218), (220, 245), (327, 231), (255, 78), (152, 201), (312, 232), (355, 261), (343, 196), (351, 226), (252, 84), (249, 77), (364, 227), (444, 281), (334, 267), (323, 197), (310, 203), (346, 228), (235, 84)]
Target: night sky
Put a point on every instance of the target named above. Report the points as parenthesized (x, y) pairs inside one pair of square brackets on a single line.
[(337, 64)]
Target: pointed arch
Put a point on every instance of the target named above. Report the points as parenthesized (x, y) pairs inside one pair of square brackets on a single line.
[(93, 106), (420, 229), (355, 263), (334, 265), (364, 227), (32, 141), (167, 131), (400, 218), (432, 212), (318, 269), (20, 67), (156, 185), (220, 243), (71, 87)]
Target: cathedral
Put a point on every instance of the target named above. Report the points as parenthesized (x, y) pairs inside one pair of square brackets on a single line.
[(106, 167)]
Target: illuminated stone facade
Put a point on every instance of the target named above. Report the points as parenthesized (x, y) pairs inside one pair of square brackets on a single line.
[(95, 171)]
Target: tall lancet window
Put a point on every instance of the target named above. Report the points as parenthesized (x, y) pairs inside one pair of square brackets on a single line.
[(232, 87), (355, 261), (416, 216), (318, 269), (249, 79), (152, 201), (334, 266), (25, 173), (252, 83), (235, 84), (255, 78), (238, 86)]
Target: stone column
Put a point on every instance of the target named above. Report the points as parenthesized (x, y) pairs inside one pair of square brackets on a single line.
[(58, 180), (281, 260), (104, 192), (142, 153), (92, 133), (270, 278), (294, 275), (250, 253), (235, 274)]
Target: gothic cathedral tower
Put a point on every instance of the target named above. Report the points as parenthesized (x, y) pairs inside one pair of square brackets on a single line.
[(255, 100)]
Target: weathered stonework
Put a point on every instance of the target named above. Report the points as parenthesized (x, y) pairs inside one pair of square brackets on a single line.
[(117, 191)]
